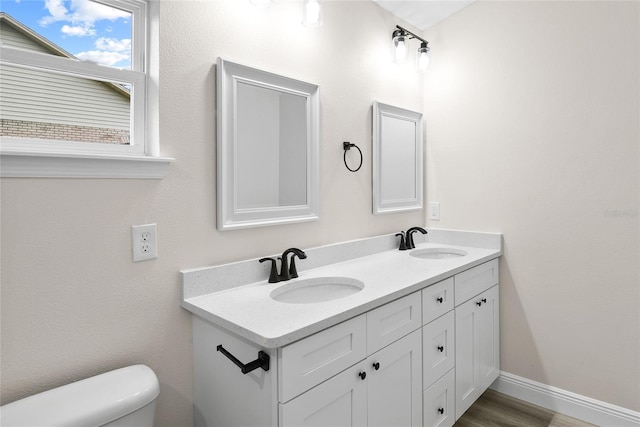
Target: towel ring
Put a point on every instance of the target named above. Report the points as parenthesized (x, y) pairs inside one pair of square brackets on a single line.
[(347, 146)]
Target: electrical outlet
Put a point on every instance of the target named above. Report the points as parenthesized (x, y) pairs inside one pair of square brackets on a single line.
[(144, 242), (434, 211)]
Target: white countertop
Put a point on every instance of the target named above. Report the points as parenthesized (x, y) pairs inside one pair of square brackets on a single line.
[(249, 312)]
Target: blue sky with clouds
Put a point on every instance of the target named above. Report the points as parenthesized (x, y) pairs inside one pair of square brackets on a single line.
[(84, 28)]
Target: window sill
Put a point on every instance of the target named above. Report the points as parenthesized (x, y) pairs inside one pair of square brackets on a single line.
[(49, 165)]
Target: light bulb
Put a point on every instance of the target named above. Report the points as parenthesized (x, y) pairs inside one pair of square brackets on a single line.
[(312, 13), (423, 61), (423, 57), (400, 48)]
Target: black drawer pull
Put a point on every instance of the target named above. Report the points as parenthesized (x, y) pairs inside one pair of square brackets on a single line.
[(362, 375), (440, 300), (478, 303), (376, 366), (440, 348), (441, 410)]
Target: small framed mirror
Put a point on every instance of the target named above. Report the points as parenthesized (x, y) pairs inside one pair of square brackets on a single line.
[(267, 148), (397, 159)]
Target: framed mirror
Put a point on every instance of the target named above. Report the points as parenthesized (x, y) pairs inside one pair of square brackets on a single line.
[(267, 148), (397, 159)]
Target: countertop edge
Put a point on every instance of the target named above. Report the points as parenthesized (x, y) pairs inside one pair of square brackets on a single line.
[(305, 331)]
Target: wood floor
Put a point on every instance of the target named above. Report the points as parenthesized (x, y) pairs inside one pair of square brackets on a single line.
[(494, 409)]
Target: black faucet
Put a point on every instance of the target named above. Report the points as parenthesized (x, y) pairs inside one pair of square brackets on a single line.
[(409, 240), (286, 272)]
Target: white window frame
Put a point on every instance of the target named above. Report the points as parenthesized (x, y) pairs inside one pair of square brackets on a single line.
[(30, 157)]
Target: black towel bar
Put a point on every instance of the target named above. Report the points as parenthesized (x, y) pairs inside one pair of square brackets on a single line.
[(261, 362)]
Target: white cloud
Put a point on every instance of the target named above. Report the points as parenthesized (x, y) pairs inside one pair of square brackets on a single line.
[(79, 18), (77, 31), (57, 12), (89, 11), (80, 12), (113, 45), (102, 57)]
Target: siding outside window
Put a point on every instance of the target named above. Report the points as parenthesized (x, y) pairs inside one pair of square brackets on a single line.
[(65, 117)]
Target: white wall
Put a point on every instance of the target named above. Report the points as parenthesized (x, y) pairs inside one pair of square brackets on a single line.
[(532, 130), (73, 303), (533, 117)]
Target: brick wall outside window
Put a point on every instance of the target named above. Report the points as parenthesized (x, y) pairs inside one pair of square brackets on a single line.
[(39, 130)]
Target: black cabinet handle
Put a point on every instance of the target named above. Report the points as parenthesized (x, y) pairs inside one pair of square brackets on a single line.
[(484, 300), (376, 366), (478, 303), (362, 375), (441, 410), (440, 348), (440, 299)]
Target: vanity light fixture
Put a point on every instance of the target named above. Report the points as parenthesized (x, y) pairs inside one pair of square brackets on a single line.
[(311, 13), (400, 39)]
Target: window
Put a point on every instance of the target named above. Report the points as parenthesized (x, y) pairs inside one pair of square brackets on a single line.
[(78, 89)]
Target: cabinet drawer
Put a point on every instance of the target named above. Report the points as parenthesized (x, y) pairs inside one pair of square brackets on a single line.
[(310, 361), (437, 299), (438, 348), (438, 403), (392, 321), (475, 280)]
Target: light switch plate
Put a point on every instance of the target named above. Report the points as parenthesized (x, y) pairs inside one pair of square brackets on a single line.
[(434, 211), (144, 242)]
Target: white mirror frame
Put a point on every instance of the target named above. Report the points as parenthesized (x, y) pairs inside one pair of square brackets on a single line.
[(383, 116), (231, 217)]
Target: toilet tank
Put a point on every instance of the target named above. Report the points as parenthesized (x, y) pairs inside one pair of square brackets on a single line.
[(107, 399)]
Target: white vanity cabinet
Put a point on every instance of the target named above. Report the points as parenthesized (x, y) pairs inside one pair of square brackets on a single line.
[(420, 360), (364, 371), (382, 390), (477, 337), (461, 342)]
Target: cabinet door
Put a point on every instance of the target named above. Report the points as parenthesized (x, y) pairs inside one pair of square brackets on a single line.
[(467, 357), (477, 347), (489, 337), (339, 402), (395, 384)]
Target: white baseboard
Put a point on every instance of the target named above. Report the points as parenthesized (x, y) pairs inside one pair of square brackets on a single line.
[(565, 402)]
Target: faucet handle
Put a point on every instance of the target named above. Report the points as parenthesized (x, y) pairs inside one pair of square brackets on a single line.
[(293, 272), (402, 246), (273, 276)]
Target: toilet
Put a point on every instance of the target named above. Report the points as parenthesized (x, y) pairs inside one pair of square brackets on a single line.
[(124, 397)]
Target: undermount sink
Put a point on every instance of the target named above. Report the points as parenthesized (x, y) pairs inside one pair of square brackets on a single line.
[(318, 289), (437, 253)]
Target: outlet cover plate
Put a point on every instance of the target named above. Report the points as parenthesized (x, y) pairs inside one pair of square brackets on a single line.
[(144, 242), (434, 211)]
